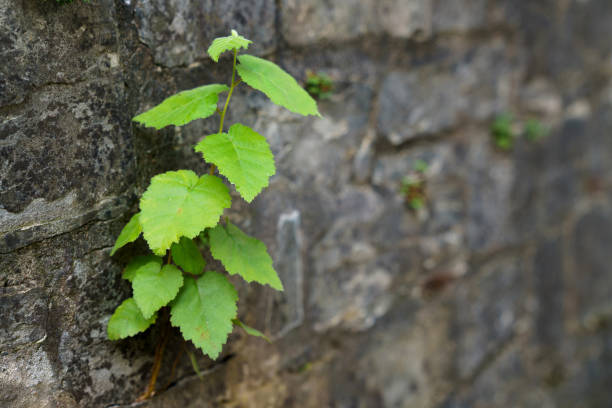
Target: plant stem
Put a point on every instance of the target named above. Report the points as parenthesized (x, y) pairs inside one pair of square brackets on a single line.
[(229, 95), (174, 364), (159, 354)]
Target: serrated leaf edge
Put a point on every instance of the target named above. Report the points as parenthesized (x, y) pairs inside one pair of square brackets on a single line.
[(171, 295), (228, 38), (212, 252), (239, 184), (281, 89), (150, 320), (189, 338)]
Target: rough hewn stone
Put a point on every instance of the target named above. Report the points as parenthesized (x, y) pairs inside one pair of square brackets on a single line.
[(75, 136), (495, 293), (313, 21), (487, 314), (400, 368), (459, 15), (46, 44), (590, 254), (179, 32), (439, 97)]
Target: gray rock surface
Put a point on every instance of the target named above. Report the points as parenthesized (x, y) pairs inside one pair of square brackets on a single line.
[(496, 293), (179, 32), (314, 21), (471, 83)]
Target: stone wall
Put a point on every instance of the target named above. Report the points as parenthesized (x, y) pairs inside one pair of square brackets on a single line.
[(497, 294)]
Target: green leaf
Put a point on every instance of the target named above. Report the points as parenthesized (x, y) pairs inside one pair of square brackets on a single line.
[(251, 331), (183, 107), (243, 156), (243, 255), (153, 290), (222, 44), (416, 203), (129, 233), (278, 85), (179, 203), (420, 166), (534, 130), (204, 309), (127, 321), (187, 255), (150, 263)]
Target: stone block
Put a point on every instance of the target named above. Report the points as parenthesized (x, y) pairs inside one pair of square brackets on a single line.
[(426, 100), (313, 21), (179, 32), (511, 368), (27, 379), (74, 47), (401, 367), (77, 137), (550, 291), (26, 316), (458, 15), (591, 274), (486, 313), (350, 289), (491, 182)]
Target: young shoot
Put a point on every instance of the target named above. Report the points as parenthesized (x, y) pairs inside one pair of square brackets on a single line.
[(181, 211)]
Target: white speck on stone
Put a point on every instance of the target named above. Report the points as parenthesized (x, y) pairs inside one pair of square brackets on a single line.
[(365, 298), (82, 111), (330, 129), (114, 60), (178, 24), (580, 109)]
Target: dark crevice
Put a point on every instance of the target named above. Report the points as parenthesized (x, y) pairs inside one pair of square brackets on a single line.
[(383, 146), (489, 359), (183, 380), (87, 224)]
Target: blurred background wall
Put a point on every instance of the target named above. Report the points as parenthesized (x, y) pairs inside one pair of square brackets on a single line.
[(496, 293)]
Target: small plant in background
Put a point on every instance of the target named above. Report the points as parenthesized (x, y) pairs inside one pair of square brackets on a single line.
[(534, 130), (180, 213), (413, 186), (504, 133), (501, 131), (319, 86)]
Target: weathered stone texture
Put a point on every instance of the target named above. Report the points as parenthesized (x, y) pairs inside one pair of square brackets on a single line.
[(459, 15), (86, 159), (497, 293), (313, 21), (471, 83), (179, 32), (40, 46)]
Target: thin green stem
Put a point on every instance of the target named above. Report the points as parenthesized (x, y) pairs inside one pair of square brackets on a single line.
[(229, 96)]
